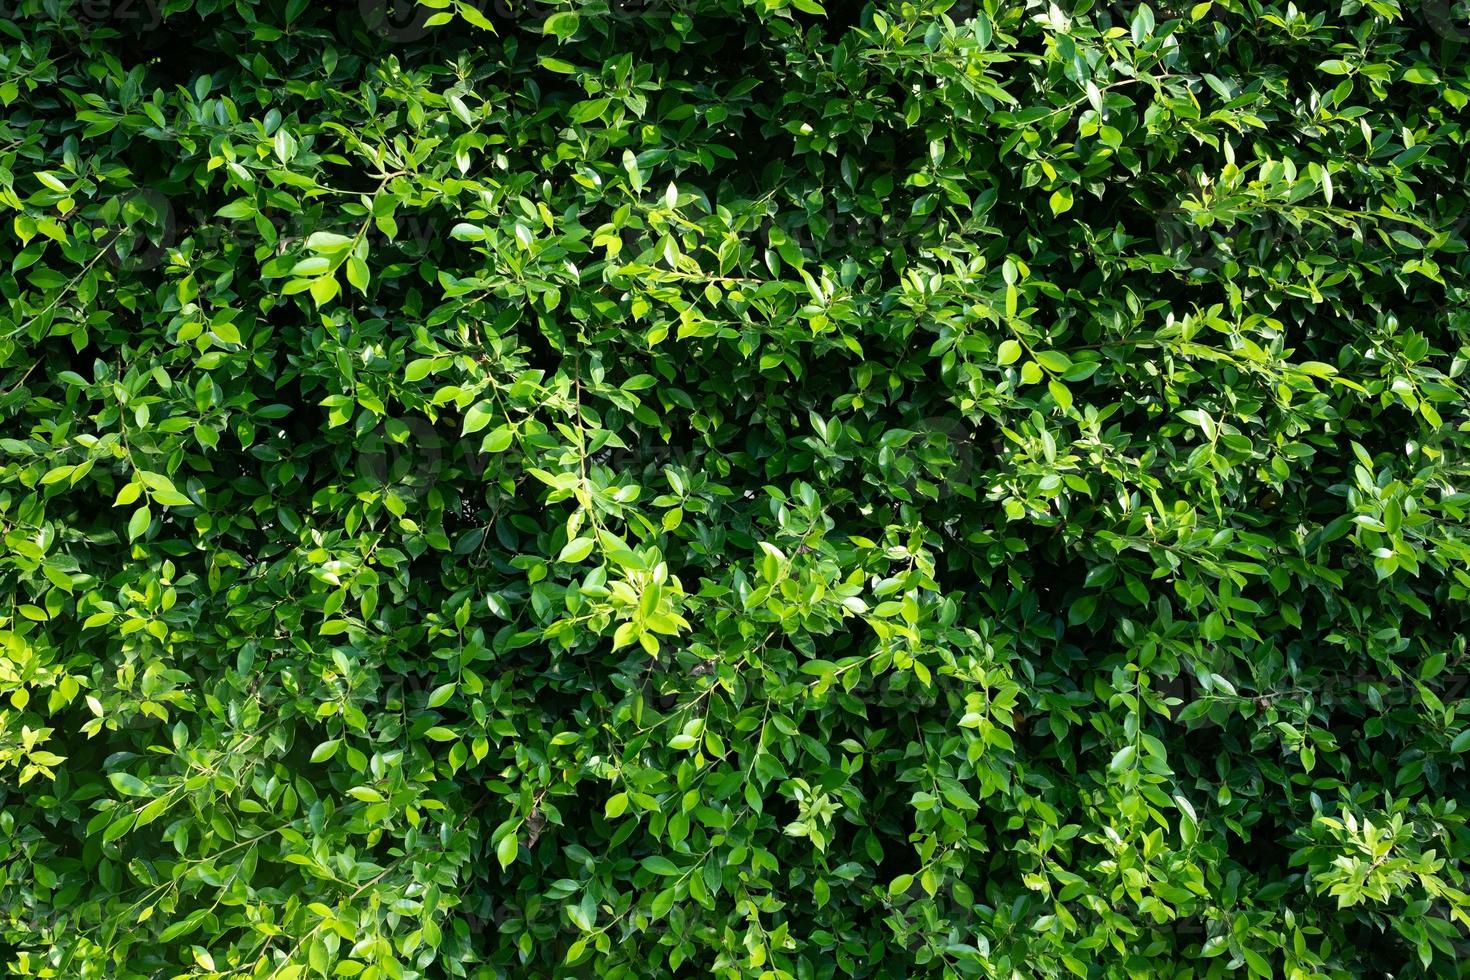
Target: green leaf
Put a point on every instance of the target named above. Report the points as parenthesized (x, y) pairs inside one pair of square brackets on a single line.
[(328, 243), (616, 806), (1053, 360), (576, 550), (357, 273), (506, 850), (562, 24), (128, 784), (480, 415), (499, 439), (138, 523), (324, 289), (661, 865)]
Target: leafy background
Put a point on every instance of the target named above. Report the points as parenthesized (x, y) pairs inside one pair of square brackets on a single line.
[(721, 488)]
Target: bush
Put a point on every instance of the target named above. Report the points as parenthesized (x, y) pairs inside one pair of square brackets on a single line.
[(595, 489)]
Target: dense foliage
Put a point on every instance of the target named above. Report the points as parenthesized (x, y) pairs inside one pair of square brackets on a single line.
[(696, 487)]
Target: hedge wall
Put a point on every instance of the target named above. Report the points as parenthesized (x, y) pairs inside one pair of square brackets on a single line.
[(703, 487)]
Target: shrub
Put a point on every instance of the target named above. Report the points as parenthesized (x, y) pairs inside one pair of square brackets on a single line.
[(716, 488)]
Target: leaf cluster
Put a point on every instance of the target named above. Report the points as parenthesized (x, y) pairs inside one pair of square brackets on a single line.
[(732, 487)]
